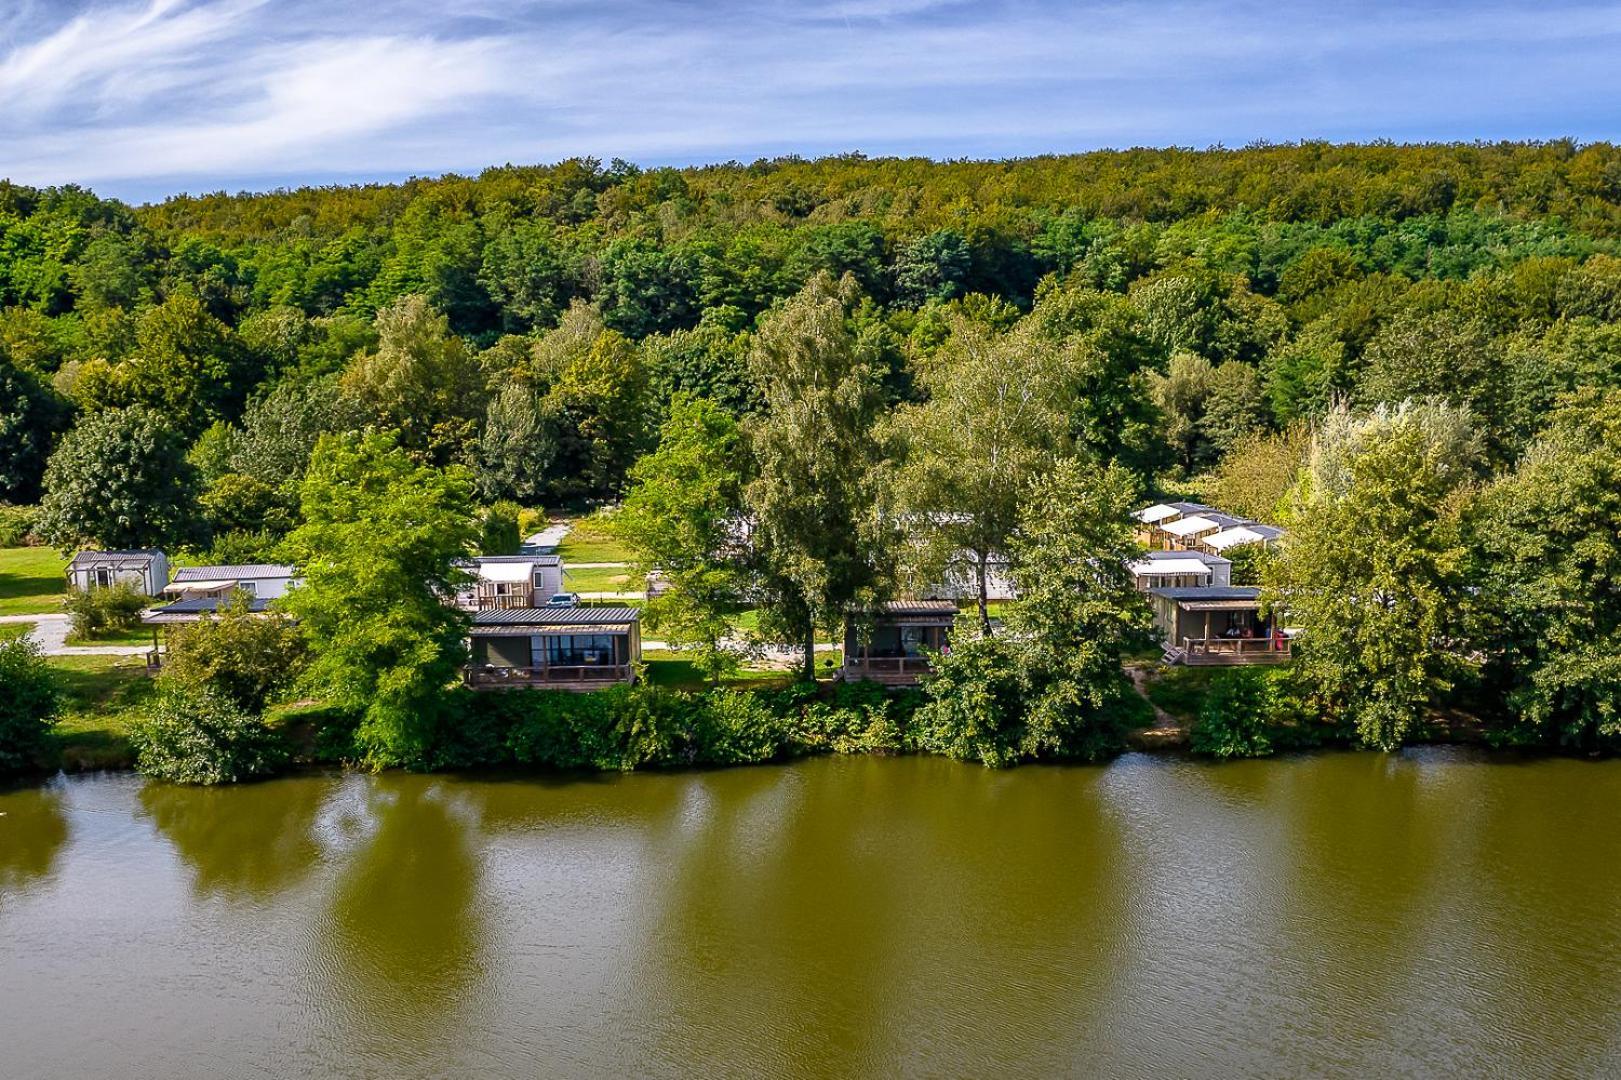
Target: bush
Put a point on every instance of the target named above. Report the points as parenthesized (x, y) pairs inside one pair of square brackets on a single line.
[(736, 727), (1237, 716), (977, 703), (238, 546), (197, 735), (17, 524), (499, 532), (530, 522), (251, 659), (110, 610), (29, 699)]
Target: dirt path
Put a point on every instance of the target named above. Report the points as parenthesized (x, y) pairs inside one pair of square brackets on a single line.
[(1163, 721)]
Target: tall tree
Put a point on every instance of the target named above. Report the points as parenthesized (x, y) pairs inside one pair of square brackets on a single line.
[(30, 416), (378, 552), (119, 479), (1372, 569), (995, 416), (681, 521), (815, 451), (1549, 535)]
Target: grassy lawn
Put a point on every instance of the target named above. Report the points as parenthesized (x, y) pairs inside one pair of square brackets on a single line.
[(136, 636), (101, 695), (588, 541), (600, 579), (666, 667), (11, 631), (31, 580)]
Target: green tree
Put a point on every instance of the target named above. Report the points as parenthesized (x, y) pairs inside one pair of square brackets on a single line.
[(680, 519), (1373, 567), (196, 735), (815, 451), (995, 416), (27, 707), (518, 446), (119, 479), (1549, 537), (251, 658), (30, 416), (498, 531), (420, 381), (1234, 720), (378, 551)]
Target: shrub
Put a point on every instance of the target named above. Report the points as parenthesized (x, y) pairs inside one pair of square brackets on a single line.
[(29, 699), (196, 735), (17, 524), (251, 659), (109, 610), (530, 522), (1237, 715), (976, 703), (736, 727), (238, 546), (499, 531)]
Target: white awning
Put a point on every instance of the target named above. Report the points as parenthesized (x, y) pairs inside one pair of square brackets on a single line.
[(1156, 513), (1190, 526), (1233, 537), (1147, 567), (198, 586), (506, 571)]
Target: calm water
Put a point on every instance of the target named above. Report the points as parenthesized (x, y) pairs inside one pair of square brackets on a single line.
[(1349, 915)]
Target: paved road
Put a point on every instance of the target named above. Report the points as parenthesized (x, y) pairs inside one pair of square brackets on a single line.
[(50, 633)]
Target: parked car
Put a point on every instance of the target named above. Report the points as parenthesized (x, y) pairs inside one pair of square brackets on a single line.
[(564, 599)]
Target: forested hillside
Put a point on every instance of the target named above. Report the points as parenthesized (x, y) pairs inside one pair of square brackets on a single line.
[(849, 337)]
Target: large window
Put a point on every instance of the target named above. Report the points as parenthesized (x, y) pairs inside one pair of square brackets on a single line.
[(575, 650)]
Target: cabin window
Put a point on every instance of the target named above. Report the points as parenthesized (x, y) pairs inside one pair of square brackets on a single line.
[(576, 650)]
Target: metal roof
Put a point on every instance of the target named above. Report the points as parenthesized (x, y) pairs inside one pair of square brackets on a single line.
[(555, 616), (139, 557), (192, 610), (1188, 526), (538, 559), (1203, 556), (1209, 592), (1150, 567), (241, 572)]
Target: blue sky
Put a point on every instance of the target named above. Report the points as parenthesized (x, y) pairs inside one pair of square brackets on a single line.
[(142, 98)]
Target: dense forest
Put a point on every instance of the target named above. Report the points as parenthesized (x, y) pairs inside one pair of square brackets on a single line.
[(1415, 346)]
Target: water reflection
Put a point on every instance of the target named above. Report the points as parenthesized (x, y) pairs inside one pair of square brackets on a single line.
[(251, 841), (33, 832)]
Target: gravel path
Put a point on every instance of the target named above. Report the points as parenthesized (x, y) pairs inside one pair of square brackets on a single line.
[(50, 633)]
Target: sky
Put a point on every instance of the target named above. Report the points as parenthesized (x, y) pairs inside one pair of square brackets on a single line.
[(139, 99)]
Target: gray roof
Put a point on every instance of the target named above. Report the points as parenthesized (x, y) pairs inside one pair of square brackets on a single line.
[(1204, 557), (243, 572), (1209, 592), (556, 616), (85, 560), (192, 610), (537, 559), (1193, 508)]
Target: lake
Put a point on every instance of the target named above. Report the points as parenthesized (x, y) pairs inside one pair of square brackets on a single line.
[(1329, 915)]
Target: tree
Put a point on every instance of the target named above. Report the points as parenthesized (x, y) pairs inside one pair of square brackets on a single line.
[(250, 658), (994, 417), (1078, 609), (30, 416), (1260, 469), (518, 446), (1549, 537), (815, 452), (196, 735), (1235, 716), (28, 705), (378, 551), (680, 519), (932, 267), (119, 479), (420, 381), (600, 404), (1373, 567), (498, 530)]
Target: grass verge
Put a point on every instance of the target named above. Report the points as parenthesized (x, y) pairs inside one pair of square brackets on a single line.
[(101, 695), (31, 581)]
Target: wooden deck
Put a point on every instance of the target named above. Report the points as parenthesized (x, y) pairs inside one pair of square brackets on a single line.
[(887, 670), (582, 677), (1216, 651)]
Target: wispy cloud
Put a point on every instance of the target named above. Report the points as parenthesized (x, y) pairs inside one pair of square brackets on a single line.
[(143, 98)]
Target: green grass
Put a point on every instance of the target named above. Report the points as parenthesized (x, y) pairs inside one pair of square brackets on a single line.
[(31, 581), (588, 541), (600, 579), (135, 636), (1180, 691), (665, 667), (101, 695), (12, 631)]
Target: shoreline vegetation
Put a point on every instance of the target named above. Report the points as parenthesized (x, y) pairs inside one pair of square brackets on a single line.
[(797, 396)]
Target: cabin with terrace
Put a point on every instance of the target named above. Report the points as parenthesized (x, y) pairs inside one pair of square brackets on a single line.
[(554, 648), (146, 570), (510, 582), (1217, 625), (888, 644)]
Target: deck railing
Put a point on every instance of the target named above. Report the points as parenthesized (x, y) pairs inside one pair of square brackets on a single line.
[(887, 665), (1218, 648), (548, 676)]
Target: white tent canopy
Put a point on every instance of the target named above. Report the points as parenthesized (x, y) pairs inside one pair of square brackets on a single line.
[(1233, 537), (1168, 567), (1156, 513), (1190, 526), (506, 572), (198, 586)]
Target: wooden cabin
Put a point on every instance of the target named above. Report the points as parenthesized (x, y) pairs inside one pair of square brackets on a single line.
[(556, 648), (1217, 625), (887, 644)]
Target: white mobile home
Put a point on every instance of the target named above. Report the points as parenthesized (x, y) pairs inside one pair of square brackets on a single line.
[(146, 569)]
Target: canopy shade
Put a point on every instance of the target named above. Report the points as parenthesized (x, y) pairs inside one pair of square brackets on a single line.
[(1233, 537), (1190, 526), (1146, 567), (511, 572), (198, 586), (1156, 513)]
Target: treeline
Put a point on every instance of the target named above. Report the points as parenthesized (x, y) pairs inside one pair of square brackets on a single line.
[(818, 384)]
